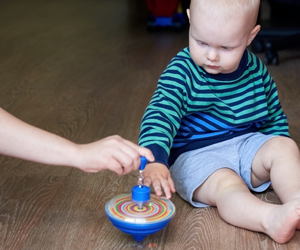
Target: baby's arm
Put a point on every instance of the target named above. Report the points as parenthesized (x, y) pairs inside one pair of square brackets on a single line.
[(21, 140), (277, 122), (159, 176)]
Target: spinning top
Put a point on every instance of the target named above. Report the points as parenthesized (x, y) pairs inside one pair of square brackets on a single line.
[(140, 213)]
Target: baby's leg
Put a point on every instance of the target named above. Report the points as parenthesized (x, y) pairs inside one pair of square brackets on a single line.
[(278, 160), (239, 207)]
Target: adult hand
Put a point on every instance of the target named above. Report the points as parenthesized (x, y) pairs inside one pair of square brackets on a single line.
[(113, 153)]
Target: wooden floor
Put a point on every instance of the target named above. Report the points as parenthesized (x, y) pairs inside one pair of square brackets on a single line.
[(86, 69)]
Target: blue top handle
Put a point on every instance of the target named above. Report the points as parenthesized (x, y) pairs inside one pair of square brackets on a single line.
[(143, 163)]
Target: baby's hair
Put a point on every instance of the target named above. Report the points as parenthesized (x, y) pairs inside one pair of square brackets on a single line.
[(227, 9)]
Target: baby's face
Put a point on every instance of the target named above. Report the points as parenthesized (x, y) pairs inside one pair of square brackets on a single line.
[(217, 45)]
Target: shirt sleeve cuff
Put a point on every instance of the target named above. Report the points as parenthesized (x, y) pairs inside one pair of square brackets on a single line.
[(159, 153)]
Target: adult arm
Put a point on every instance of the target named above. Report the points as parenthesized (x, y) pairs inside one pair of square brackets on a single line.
[(21, 140)]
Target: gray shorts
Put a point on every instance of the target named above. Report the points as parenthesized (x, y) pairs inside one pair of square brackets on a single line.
[(192, 168)]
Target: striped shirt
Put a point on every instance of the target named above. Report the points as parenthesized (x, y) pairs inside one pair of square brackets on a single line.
[(192, 108)]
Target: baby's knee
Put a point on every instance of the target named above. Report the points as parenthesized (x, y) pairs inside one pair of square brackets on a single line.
[(221, 181), (282, 144), (228, 180)]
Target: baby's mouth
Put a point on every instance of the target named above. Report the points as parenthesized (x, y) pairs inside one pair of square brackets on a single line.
[(212, 66)]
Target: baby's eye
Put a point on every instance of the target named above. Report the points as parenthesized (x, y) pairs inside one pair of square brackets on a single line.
[(225, 48), (201, 43)]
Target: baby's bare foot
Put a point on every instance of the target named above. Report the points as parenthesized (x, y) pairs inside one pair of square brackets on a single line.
[(283, 221)]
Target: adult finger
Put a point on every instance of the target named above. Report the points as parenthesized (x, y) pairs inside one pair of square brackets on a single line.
[(126, 162), (128, 156), (115, 166), (142, 150)]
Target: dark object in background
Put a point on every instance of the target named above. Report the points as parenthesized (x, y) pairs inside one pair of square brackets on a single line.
[(167, 14), (280, 32)]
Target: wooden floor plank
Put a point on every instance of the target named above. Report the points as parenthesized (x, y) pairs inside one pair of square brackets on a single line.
[(23, 203)]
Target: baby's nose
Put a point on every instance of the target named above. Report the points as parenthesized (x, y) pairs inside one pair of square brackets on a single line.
[(212, 54)]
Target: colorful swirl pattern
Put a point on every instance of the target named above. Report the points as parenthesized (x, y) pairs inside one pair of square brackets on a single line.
[(125, 209)]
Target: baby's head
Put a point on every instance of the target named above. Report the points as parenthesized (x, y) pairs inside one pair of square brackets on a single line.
[(220, 30)]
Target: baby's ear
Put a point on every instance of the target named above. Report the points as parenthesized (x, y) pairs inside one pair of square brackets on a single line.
[(253, 34), (188, 13)]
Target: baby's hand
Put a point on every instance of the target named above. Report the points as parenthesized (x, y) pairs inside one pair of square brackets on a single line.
[(158, 175)]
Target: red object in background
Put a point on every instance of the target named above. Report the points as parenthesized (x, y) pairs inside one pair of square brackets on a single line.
[(163, 8)]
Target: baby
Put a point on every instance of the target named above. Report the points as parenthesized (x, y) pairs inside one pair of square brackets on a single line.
[(217, 129)]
